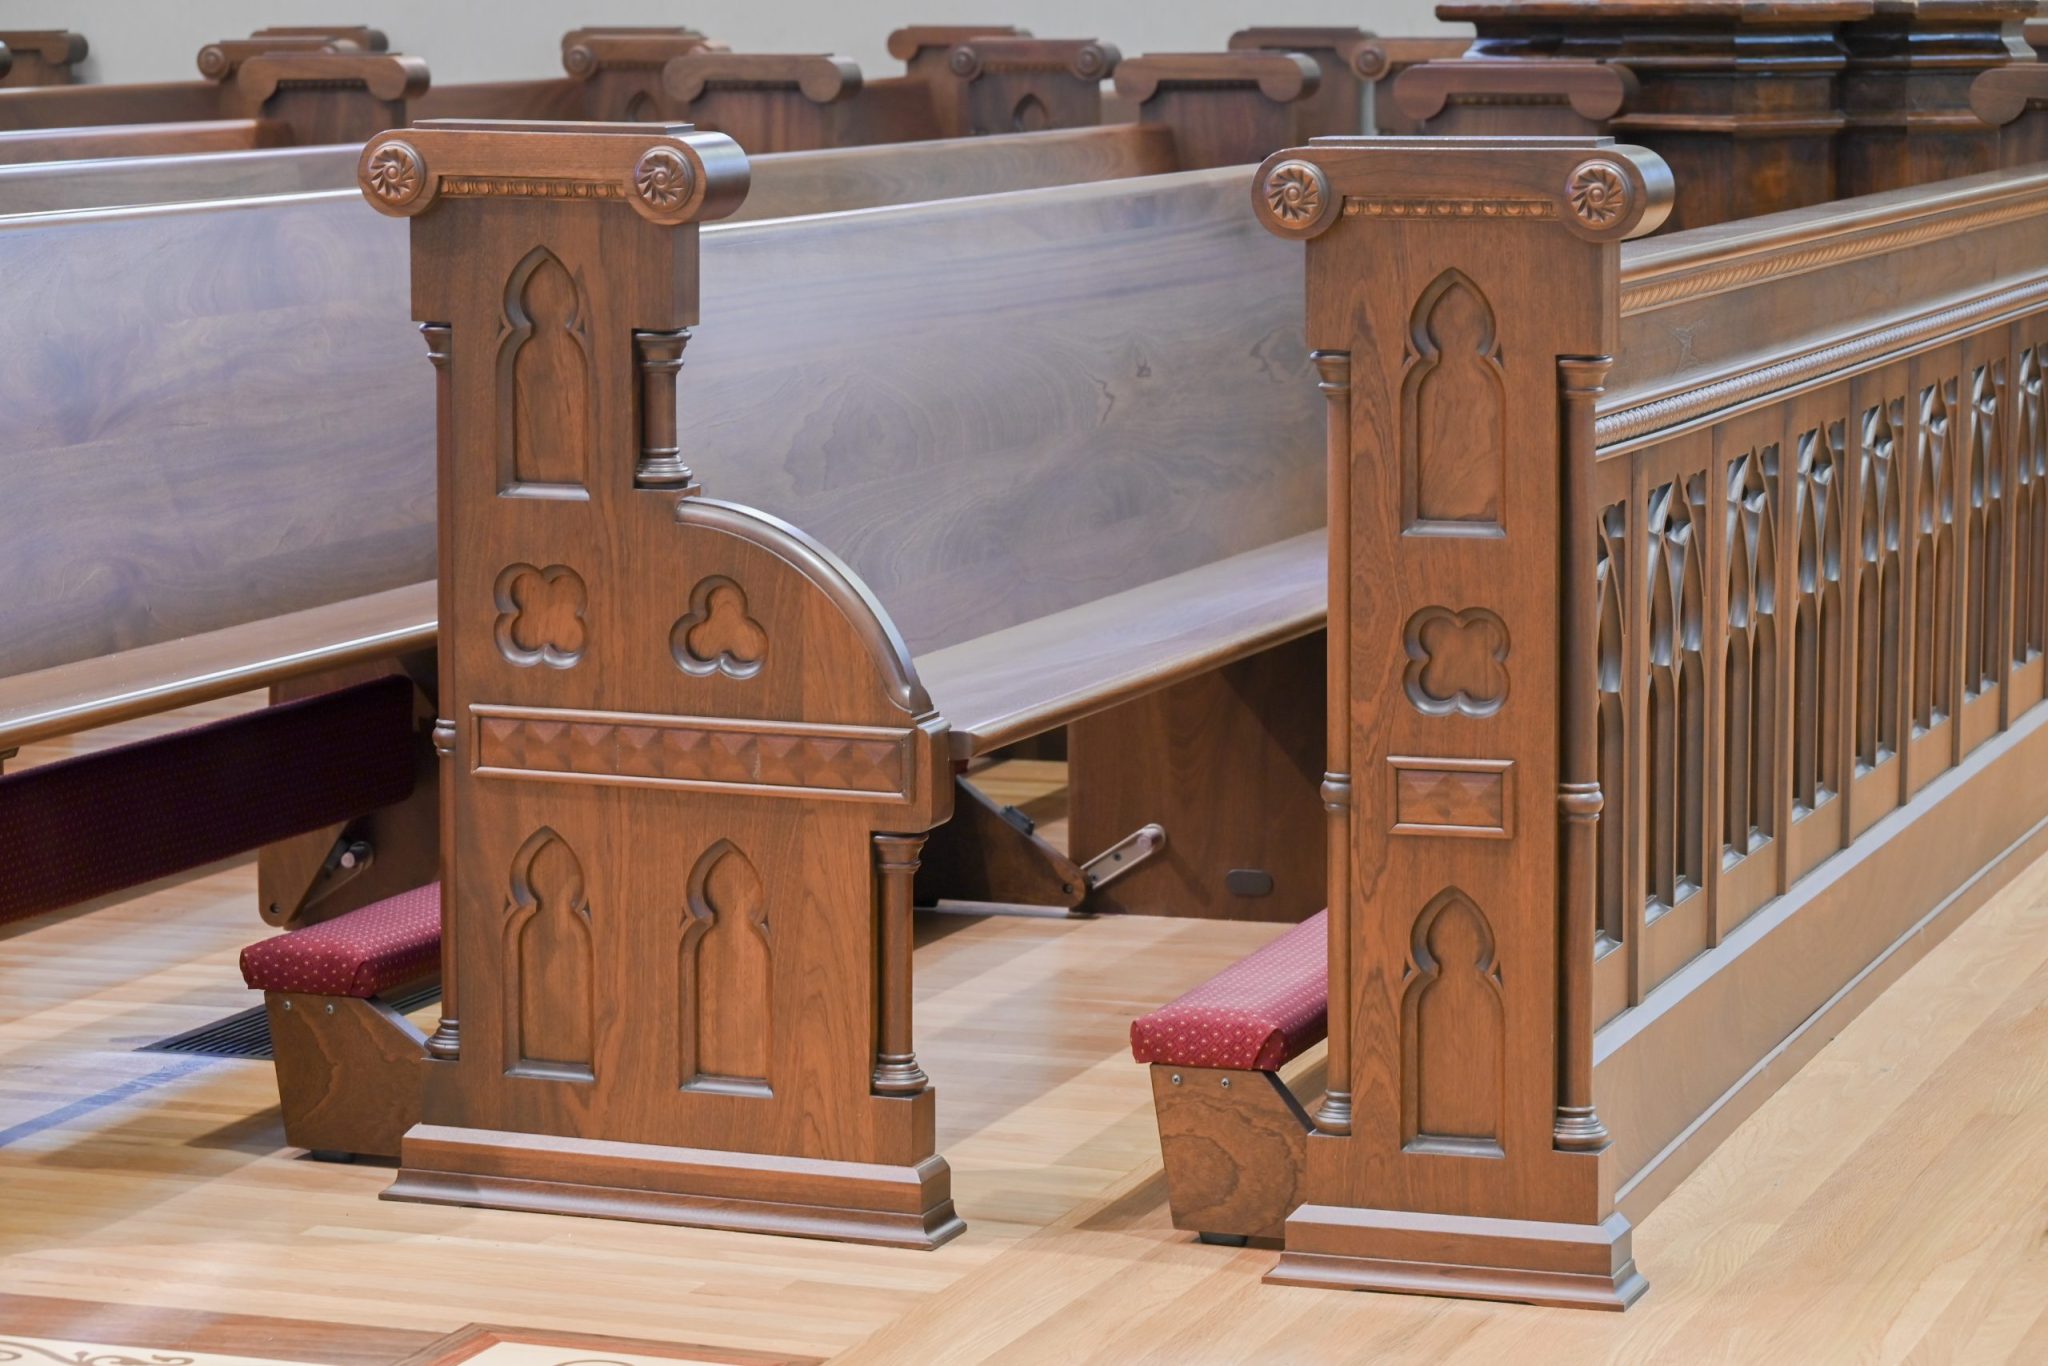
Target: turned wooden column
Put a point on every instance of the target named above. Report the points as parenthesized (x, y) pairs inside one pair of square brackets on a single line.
[(1461, 295)]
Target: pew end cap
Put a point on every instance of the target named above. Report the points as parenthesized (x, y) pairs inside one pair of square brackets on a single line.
[(1599, 189), (670, 175)]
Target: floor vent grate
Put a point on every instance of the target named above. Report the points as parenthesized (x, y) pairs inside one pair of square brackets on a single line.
[(246, 1033)]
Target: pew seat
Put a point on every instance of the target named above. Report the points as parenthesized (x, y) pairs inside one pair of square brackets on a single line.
[(347, 1061), (1087, 658), (1232, 1132)]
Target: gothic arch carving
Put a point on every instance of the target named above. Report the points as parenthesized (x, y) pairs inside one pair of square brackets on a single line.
[(1453, 1031), (550, 996), (725, 976), (544, 368), (1453, 413)]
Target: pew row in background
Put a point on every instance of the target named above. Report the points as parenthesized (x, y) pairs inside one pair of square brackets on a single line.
[(41, 57), (1778, 491), (1757, 108)]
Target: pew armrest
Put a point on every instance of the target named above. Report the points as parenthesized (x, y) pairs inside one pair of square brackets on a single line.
[(1012, 684), (199, 668)]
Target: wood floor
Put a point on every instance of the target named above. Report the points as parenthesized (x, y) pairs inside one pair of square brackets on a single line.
[(1890, 1204)]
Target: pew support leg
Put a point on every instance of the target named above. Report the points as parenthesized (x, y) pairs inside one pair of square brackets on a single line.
[(348, 1075), (1235, 1147), (988, 853), (1230, 766)]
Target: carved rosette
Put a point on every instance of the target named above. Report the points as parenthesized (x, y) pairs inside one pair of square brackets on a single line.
[(1295, 197), (395, 174), (214, 63), (964, 62), (1092, 62), (579, 60), (1600, 194), (662, 179), (1369, 60)]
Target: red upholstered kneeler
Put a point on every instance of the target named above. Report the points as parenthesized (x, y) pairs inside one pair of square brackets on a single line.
[(348, 1065), (1234, 1136), (1254, 1015)]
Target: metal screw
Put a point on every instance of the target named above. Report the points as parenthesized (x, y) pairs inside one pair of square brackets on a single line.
[(1226, 1080), (330, 1011), (1176, 1079), (287, 1004)]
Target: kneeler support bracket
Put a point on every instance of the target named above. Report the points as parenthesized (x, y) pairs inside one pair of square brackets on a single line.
[(689, 766)]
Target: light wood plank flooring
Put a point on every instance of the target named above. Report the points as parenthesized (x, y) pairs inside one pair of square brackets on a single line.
[(1890, 1204)]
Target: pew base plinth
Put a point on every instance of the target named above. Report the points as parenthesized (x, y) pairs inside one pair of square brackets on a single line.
[(1567, 1266), (851, 1202)]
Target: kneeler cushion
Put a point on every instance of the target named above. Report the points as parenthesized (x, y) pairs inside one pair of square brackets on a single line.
[(369, 950), (1252, 1016)]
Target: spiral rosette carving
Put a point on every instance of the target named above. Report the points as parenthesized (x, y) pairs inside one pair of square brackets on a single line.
[(395, 173), (663, 179), (1091, 62), (1599, 194), (1369, 61), (1295, 193), (579, 60), (213, 62), (964, 62)]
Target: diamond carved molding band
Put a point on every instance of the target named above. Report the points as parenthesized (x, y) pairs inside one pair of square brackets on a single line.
[(1296, 195), (662, 178), (396, 173), (1599, 193)]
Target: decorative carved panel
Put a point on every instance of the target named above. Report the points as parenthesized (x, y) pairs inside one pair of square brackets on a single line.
[(1457, 661), (1750, 667), (540, 615), (717, 636), (726, 1007), (1453, 413), (1984, 581), (1880, 585), (551, 988), (630, 750), (1818, 689), (544, 365), (1934, 559), (1471, 798), (1610, 574), (1676, 743), (2030, 514), (1453, 1032)]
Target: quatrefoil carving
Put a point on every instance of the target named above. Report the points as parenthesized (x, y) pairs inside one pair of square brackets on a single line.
[(540, 615), (1457, 661), (718, 636)]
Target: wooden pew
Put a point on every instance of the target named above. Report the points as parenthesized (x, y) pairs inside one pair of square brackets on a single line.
[(1775, 491), (1224, 106), (777, 102), (275, 98), (41, 57), (1046, 492), (1358, 70), (214, 97), (612, 73)]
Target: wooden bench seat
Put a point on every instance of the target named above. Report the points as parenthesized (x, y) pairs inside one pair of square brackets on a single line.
[(348, 1064), (1092, 656), (1234, 1134)]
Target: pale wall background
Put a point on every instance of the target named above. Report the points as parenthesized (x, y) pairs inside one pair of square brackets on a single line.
[(480, 40)]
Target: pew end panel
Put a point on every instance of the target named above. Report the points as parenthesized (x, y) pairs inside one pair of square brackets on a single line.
[(1023, 85), (1225, 108), (1453, 283), (1351, 62), (330, 96), (41, 57), (718, 1036)]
